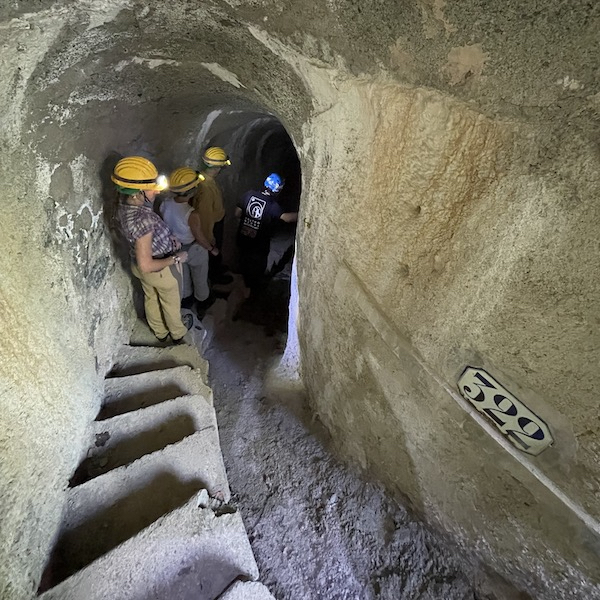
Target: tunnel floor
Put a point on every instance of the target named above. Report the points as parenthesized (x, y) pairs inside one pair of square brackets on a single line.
[(317, 529)]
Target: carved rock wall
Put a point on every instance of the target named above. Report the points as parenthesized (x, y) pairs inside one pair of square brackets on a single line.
[(449, 218)]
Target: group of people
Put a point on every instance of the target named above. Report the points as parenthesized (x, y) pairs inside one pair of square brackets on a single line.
[(176, 254)]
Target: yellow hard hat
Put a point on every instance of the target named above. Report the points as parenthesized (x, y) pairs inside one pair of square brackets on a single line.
[(215, 157), (138, 173), (184, 179)]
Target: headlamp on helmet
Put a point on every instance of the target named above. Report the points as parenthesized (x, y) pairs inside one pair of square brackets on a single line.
[(185, 179), (215, 157), (138, 173)]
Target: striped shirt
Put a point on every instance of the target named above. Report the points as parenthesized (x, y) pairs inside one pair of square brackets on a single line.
[(138, 221)]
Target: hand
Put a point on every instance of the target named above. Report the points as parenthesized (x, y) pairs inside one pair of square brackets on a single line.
[(183, 256), (214, 251)]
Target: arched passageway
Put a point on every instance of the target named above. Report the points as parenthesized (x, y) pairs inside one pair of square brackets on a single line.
[(258, 145), (448, 220)]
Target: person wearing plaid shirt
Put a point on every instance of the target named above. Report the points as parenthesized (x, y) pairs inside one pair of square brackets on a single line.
[(137, 221), (153, 248)]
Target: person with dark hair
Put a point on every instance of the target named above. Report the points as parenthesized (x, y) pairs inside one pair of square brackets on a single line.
[(153, 247), (258, 213), (182, 216)]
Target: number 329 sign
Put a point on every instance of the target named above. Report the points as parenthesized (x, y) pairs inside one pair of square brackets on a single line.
[(522, 427)]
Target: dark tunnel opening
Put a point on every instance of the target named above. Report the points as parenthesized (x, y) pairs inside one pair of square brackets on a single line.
[(258, 145)]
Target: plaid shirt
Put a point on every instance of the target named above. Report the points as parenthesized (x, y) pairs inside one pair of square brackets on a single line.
[(137, 221)]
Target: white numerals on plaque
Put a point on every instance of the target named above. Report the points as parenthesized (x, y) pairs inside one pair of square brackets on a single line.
[(522, 427)]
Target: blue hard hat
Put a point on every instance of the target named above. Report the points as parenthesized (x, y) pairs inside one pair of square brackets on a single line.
[(274, 183)]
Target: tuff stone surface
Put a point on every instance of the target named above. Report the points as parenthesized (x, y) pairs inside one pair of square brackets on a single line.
[(250, 590), (132, 392), (132, 360), (207, 551), (449, 209), (124, 438), (115, 506)]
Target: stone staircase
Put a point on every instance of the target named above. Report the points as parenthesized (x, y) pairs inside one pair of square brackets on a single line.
[(147, 515)]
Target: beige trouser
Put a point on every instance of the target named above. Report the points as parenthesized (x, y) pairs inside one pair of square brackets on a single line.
[(162, 302)]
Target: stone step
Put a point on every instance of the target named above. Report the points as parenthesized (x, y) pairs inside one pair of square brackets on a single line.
[(120, 440), (189, 554), (247, 590), (132, 392), (143, 336), (132, 360), (107, 510)]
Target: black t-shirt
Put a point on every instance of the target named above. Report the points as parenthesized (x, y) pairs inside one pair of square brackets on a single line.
[(260, 213)]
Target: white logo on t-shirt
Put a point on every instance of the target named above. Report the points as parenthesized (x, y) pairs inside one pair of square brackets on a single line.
[(256, 207)]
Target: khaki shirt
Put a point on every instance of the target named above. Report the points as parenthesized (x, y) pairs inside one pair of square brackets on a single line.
[(209, 203)]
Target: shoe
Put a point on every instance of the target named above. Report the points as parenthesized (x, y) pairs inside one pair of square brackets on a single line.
[(188, 320), (204, 305), (187, 302), (186, 339), (164, 342)]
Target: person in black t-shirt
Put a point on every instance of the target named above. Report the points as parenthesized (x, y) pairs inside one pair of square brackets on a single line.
[(258, 213)]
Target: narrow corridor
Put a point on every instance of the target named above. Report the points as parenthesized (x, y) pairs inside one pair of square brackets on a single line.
[(318, 531)]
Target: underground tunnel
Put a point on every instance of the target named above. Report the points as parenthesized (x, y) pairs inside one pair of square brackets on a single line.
[(445, 288)]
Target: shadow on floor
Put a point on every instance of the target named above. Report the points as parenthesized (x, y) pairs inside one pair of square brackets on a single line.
[(127, 516), (156, 395), (170, 431)]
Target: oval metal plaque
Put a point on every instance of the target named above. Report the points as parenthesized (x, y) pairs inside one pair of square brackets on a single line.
[(520, 425)]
